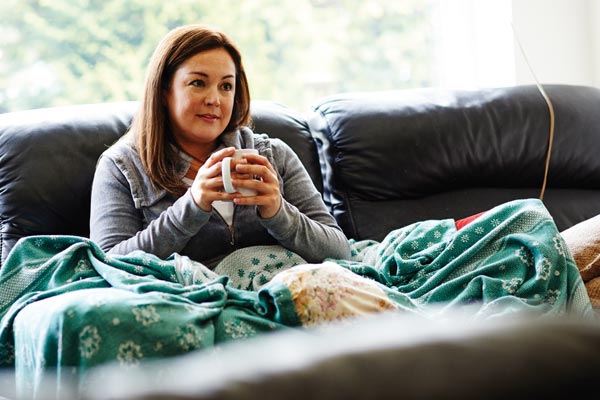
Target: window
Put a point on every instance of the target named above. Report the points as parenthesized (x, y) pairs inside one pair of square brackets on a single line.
[(57, 52)]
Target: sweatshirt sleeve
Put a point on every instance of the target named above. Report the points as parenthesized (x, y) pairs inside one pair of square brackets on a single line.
[(118, 227), (303, 223)]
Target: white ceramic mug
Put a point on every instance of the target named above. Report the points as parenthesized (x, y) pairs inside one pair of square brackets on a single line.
[(226, 172)]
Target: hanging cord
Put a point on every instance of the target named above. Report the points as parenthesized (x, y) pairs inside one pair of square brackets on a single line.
[(550, 109)]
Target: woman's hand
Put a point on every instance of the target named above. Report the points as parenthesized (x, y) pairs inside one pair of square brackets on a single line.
[(208, 184), (258, 174)]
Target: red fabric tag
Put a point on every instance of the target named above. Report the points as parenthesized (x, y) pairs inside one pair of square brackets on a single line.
[(462, 222)]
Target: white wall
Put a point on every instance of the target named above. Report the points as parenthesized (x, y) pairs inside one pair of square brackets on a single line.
[(561, 39), (595, 39), (473, 43)]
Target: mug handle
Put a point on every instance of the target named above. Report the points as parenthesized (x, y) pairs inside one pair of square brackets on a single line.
[(226, 173)]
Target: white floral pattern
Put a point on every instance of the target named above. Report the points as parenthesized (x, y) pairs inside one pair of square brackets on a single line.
[(551, 296), (147, 315), (512, 285), (545, 268), (129, 354), (188, 337), (237, 329), (89, 341), (558, 242), (524, 255)]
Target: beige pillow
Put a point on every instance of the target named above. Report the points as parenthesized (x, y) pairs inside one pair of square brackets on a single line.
[(583, 239), (593, 289)]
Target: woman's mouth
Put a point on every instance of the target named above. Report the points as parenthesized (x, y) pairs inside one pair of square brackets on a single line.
[(209, 117)]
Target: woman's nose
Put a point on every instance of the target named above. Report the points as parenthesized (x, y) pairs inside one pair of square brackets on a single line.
[(212, 97)]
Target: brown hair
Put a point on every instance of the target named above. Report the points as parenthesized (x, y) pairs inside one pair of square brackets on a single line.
[(150, 126)]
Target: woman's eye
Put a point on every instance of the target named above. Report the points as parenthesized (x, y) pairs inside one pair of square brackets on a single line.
[(227, 86), (197, 82)]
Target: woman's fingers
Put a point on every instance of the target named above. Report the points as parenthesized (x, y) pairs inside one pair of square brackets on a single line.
[(218, 156), (264, 181), (208, 183), (253, 172)]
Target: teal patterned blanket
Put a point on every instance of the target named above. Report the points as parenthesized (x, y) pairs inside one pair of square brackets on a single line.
[(66, 306)]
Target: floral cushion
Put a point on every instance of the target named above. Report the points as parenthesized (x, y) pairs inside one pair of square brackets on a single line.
[(329, 292)]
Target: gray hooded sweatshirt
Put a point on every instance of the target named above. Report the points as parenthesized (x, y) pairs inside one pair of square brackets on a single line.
[(128, 213)]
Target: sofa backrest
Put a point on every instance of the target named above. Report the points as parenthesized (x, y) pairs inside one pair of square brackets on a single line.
[(382, 159), (48, 158), (396, 157), (280, 121)]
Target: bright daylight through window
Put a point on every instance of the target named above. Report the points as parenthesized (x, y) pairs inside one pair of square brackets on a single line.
[(57, 52)]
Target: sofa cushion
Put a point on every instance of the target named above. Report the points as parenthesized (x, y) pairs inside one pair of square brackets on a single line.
[(48, 158), (396, 157)]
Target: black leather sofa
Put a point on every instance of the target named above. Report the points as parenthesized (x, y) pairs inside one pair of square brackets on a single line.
[(382, 160)]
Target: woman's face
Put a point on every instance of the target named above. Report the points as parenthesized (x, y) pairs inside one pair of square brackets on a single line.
[(200, 100)]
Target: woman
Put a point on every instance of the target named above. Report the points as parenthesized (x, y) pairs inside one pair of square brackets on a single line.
[(160, 190)]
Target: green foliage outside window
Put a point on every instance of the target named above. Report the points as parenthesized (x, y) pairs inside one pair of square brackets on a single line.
[(56, 52)]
